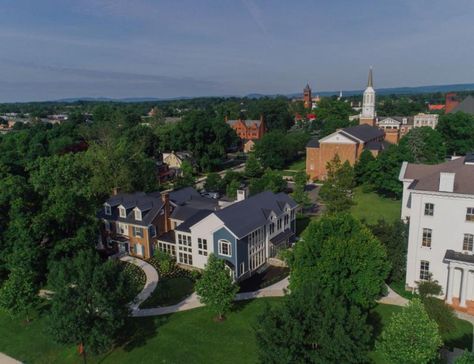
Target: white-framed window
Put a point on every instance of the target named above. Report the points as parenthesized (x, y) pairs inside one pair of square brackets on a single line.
[(107, 209), (185, 258), (424, 270), (225, 248), (279, 224), (122, 212), (138, 231), (152, 231), (168, 248), (429, 209), (107, 225), (468, 242), (138, 215), (122, 228), (242, 268), (426, 238), (470, 214), (202, 246)]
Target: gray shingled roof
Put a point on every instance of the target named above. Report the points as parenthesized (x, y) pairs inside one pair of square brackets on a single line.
[(148, 204), (377, 145), (364, 132), (313, 143), (452, 255), (426, 177), (467, 106), (198, 216), (248, 123), (245, 216)]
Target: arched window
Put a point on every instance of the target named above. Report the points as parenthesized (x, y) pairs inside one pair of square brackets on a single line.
[(225, 248)]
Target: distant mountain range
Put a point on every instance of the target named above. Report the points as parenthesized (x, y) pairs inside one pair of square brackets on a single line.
[(380, 91)]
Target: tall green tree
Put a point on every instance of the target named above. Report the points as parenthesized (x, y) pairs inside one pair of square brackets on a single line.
[(19, 293), (410, 336), (270, 181), (213, 182), (424, 145), (312, 327), (299, 192), (89, 305), (253, 168), (216, 288), (457, 131), (336, 192), (362, 168), (342, 256)]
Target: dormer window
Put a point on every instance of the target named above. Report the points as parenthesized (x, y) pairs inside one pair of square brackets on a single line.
[(122, 212), (138, 215), (108, 210)]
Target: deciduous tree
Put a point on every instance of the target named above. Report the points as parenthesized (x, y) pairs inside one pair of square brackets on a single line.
[(216, 288), (410, 336)]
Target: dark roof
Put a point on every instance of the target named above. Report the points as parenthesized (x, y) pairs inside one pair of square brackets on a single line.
[(281, 237), (149, 205), (467, 106), (168, 237), (183, 194), (198, 216), (363, 132), (426, 177), (183, 213), (313, 143), (247, 123), (245, 216), (461, 257), (377, 145)]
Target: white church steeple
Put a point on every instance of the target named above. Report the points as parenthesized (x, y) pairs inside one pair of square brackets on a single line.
[(368, 114)]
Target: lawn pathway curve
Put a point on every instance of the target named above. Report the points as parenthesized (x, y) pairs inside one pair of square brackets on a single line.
[(150, 284)]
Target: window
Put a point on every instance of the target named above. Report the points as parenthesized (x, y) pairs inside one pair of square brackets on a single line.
[(122, 228), (202, 246), (225, 248), (272, 228), (108, 210), (424, 270), (138, 215), (242, 268), (185, 258), (279, 224), (426, 241), (122, 212), (287, 218), (470, 214), (152, 231), (468, 242), (138, 231), (429, 209), (168, 248)]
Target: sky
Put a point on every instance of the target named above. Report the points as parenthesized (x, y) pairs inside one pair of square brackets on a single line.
[(53, 49)]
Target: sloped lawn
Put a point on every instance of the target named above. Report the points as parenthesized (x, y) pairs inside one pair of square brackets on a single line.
[(185, 337), (372, 207)]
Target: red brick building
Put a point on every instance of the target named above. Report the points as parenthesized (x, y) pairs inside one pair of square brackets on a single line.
[(248, 129), (347, 143), (307, 99)]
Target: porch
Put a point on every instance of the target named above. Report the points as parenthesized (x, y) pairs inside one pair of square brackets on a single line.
[(460, 285)]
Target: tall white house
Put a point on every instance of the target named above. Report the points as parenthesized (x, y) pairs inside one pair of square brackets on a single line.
[(367, 115), (438, 204)]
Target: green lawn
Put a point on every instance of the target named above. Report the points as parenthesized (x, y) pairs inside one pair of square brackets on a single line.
[(372, 207), (169, 291), (191, 336)]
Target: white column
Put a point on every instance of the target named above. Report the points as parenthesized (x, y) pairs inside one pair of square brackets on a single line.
[(449, 293), (465, 275)]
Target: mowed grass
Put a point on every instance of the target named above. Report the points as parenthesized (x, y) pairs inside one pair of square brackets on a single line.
[(372, 207), (185, 337), (169, 291)]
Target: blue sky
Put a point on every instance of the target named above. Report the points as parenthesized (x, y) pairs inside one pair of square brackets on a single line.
[(54, 49)]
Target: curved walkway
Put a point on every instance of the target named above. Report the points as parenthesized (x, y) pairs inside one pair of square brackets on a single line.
[(275, 290), (150, 284)]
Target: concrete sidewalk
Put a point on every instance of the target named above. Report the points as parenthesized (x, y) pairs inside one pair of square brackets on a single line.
[(5, 359), (150, 284)]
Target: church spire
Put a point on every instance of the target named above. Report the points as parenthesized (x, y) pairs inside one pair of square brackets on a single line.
[(370, 81)]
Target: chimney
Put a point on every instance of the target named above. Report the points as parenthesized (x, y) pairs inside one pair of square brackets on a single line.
[(115, 191), (242, 194), (446, 182), (165, 198)]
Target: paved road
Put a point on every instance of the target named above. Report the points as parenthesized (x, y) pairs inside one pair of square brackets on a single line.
[(5, 359)]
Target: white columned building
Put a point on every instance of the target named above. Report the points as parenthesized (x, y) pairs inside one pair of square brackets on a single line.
[(438, 204)]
